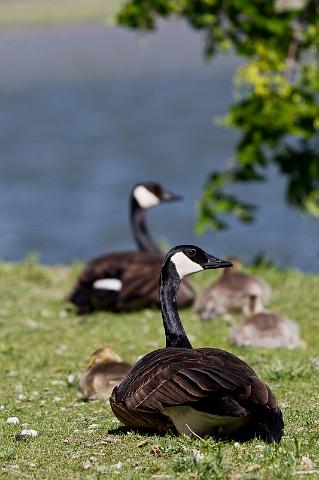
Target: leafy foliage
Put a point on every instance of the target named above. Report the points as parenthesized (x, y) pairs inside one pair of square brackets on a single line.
[(277, 110)]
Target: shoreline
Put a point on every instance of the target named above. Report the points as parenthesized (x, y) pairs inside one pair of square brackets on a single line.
[(36, 13)]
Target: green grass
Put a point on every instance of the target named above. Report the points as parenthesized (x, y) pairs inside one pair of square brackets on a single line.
[(42, 342), (27, 13)]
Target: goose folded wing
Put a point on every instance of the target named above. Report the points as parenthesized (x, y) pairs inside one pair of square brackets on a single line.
[(172, 377), (140, 280), (106, 266)]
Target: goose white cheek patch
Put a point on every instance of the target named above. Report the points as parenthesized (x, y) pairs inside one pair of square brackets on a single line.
[(145, 198), (108, 284), (184, 265)]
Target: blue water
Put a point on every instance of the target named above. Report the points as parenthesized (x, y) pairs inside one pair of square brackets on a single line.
[(87, 112)]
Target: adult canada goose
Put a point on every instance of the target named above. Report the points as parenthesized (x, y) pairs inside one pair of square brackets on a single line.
[(106, 370), (200, 390), (228, 294), (129, 280), (265, 329)]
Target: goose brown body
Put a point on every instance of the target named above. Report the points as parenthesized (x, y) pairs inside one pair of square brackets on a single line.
[(207, 380), (138, 273), (199, 390)]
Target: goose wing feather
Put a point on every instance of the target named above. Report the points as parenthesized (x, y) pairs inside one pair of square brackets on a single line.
[(140, 280), (114, 265), (173, 376)]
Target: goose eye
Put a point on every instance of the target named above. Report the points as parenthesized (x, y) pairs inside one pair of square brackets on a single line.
[(191, 252)]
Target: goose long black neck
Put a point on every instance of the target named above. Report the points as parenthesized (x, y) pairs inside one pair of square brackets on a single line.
[(174, 330), (140, 231)]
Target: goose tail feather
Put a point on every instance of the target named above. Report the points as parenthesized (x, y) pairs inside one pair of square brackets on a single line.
[(80, 297)]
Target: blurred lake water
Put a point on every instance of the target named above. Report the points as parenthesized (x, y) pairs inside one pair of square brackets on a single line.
[(88, 111)]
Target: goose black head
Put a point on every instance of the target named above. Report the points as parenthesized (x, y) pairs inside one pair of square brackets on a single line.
[(190, 259), (150, 194)]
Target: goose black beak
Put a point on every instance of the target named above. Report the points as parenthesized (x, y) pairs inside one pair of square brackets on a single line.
[(168, 196), (214, 262)]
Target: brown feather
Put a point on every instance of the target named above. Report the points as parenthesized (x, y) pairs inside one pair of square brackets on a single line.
[(146, 384)]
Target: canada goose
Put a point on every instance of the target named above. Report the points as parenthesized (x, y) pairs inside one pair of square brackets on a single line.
[(129, 280), (106, 370), (264, 329), (200, 390), (228, 293)]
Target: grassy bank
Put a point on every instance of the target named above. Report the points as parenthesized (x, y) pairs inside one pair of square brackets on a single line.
[(42, 342), (28, 13)]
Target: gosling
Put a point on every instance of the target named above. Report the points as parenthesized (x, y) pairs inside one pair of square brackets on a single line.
[(265, 329), (106, 371), (228, 293)]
